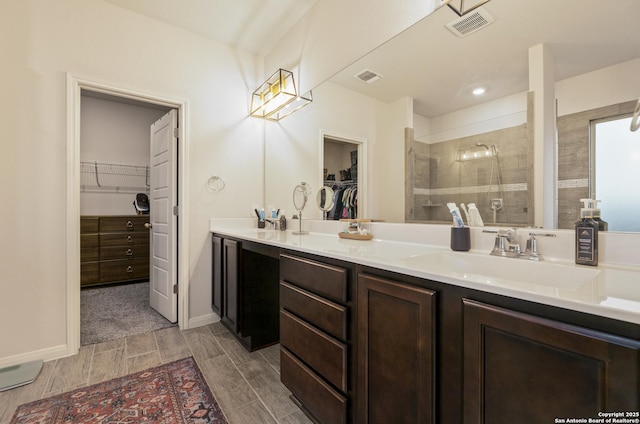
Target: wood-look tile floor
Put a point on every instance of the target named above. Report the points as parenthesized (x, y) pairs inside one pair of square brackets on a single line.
[(246, 385)]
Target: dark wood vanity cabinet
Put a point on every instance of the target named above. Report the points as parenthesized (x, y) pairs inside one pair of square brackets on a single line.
[(314, 336), (244, 290), (519, 365), (365, 345), (396, 352), (231, 286)]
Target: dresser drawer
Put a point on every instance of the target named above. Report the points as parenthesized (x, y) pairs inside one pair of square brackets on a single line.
[(326, 355), (328, 405), (89, 273), (89, 224), (319, 278), (122, 270), (322, 313), (123, 223), (124, 252), (125, 239), (89, 247)]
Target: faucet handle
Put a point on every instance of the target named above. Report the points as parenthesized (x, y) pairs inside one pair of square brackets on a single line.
[(531, 249)]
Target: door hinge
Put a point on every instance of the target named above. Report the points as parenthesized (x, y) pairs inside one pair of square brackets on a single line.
[(176, 210), (175, 132), (175, 289)]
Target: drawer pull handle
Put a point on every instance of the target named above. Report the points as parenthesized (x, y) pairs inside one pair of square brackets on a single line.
[(129, 269), (129, 239), (129, 252), (129, 224)]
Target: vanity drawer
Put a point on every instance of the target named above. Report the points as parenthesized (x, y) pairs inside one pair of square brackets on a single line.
[(124, 252), (125, 239), (326, 355), (324, 314), (319, 278), (123, 223), (318, 397), (125, 269)]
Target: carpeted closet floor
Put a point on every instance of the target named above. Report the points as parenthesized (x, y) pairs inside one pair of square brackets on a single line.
[(112, 312)]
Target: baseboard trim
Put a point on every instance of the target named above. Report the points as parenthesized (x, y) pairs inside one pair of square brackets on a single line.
[(47, 354), (203, 320)]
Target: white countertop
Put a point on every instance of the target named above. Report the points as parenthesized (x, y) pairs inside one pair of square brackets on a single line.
[(605, 290)]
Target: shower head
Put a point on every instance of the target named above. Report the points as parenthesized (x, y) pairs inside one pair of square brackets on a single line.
[(482, 145)]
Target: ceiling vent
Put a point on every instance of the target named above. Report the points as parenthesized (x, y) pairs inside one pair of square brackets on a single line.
[(367, 76), (470, 23)]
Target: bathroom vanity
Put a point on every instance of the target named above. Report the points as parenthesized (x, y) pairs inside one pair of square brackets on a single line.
[(385, 331)]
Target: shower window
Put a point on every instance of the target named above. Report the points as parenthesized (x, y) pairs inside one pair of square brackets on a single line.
[(615, 172)]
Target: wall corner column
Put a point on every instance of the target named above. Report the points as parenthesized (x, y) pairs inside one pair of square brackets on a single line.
[(542, 84)]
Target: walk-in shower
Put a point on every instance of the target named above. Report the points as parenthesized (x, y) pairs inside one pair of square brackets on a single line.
[(483, 151)]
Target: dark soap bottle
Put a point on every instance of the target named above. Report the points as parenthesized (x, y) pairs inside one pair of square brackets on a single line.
[(586, 238)]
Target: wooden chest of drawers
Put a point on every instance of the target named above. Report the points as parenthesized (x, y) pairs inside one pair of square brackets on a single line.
[(113, 249)]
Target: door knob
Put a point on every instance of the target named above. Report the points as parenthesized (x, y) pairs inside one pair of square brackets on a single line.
[(148, 225)]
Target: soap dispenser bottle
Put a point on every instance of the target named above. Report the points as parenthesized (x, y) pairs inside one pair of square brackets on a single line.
[(586, 236), (597, 216)]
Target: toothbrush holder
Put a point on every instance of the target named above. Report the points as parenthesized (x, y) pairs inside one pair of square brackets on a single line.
[(460, 239)]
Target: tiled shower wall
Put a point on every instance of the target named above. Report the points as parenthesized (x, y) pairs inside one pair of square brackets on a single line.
[(573, 158), (438, 178)]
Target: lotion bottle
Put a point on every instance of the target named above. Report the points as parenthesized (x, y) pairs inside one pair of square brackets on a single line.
[(586, 236)]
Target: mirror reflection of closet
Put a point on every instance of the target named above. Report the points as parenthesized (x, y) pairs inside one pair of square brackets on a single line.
[(340, 173)]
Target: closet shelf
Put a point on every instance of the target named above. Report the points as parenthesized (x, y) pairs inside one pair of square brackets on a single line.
[(101, 177)]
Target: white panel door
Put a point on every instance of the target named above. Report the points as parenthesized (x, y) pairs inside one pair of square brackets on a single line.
[(163, 197)]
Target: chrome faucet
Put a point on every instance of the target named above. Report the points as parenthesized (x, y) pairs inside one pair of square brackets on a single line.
[(507, 244)]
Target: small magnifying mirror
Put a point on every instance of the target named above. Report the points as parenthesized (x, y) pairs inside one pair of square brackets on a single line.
[(300, 196), (324, 199)]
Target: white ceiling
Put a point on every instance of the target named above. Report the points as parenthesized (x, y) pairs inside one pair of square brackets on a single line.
[(254, 26), (426, 61), (439, 70)]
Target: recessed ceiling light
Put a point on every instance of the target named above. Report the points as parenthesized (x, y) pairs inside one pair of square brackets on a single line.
[(478, 91)]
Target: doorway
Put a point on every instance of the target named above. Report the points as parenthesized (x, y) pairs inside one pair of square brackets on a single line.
[(117, 286), (344, 171), (77, 87)]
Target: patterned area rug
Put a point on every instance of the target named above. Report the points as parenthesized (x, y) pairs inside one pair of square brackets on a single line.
[(173, 393)]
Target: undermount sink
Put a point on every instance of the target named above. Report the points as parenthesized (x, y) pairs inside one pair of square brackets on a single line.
[(516, 273)]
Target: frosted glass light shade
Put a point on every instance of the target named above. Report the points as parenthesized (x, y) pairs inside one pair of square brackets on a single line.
[(273, 95)]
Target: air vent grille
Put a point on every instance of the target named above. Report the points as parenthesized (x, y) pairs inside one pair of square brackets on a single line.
[(368, 76), (471, 23)]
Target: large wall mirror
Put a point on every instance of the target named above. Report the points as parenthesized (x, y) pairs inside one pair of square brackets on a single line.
[(448, 144)]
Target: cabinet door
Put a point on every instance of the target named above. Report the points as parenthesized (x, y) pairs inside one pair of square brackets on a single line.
[(231, 287), (395, 336), (519, 367), (216, 274)]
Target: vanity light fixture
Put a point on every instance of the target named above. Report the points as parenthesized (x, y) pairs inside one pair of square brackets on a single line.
[(297, 103), (275, 94), (462, 7)]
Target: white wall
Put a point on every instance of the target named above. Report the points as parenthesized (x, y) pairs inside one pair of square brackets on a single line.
[(294, 144), (603, 87), (41, 41), (116, 133)]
